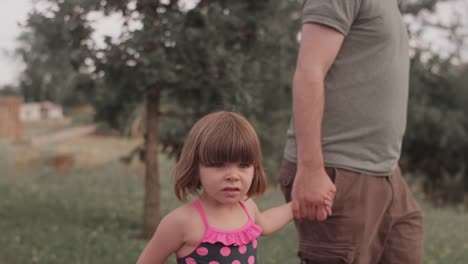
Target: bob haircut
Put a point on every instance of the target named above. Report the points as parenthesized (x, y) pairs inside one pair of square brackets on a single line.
[(218, 137)]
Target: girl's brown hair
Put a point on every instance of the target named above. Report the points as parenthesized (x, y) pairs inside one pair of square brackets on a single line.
[(217, 138)]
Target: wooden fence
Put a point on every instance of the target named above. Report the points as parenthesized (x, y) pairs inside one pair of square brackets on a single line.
[(10, 124)]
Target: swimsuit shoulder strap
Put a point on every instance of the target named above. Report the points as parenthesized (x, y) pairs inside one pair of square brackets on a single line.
[(201, 212), (245, 210)]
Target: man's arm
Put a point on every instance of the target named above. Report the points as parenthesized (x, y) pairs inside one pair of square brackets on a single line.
[(318, 49)]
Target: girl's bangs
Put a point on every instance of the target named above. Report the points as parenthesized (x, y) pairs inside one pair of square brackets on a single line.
[(228, 146)]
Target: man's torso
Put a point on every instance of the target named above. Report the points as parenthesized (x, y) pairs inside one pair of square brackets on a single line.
[(366, 88)]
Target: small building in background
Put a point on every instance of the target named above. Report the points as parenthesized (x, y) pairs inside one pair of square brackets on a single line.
[(10, 125), (30, 112), (41, 111)]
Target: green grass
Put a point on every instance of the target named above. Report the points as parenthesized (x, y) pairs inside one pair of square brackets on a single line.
[(446, 236), (91, 215), (79, 218)]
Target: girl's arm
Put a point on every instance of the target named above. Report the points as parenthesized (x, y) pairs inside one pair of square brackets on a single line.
[(168, 237), (272, 219)]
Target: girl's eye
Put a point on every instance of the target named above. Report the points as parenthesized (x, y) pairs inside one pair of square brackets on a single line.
[(245, 165)]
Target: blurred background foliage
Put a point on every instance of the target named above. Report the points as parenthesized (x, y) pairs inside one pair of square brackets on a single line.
[(232, 55)]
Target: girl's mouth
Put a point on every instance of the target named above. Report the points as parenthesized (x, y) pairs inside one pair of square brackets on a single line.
[(231, 190)]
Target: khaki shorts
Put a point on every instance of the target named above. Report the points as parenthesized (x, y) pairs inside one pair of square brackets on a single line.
[(375, 219)]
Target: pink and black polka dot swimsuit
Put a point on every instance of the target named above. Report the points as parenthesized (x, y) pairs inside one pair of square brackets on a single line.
[(225, 247)]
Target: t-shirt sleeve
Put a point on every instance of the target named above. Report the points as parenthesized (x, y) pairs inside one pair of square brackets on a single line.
[(338, 14)]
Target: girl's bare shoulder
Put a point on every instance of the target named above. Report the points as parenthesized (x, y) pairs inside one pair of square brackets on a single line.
[(184, 213), (251, 207), (187, 220)]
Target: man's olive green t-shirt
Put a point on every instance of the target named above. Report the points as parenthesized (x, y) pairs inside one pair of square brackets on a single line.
[(366, 88)]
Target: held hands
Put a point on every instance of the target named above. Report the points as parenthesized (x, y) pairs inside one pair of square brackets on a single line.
[(312, 195)]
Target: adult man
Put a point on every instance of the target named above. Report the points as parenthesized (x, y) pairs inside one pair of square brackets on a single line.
[(350, 93)]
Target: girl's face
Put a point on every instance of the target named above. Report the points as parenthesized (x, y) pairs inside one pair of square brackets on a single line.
[(226, 182)]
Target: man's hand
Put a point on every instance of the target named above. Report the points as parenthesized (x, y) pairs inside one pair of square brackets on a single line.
[(312, 195)]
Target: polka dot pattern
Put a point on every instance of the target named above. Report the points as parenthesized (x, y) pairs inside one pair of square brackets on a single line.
[(242, 249), (190, 261), (218, 253), (225, 251), (202, 251)]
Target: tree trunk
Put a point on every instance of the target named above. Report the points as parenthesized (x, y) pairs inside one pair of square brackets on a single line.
[(465, 190), (465, 200), (151, 205)]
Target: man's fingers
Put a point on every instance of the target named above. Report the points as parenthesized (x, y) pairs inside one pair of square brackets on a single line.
[(329, 210), (304, 210), (321, 213), (296, 210), (311, 212)]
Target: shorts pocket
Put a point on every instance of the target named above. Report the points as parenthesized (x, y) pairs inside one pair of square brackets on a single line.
[(318, 253)]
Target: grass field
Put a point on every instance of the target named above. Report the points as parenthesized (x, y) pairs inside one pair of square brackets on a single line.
[(91, 213)]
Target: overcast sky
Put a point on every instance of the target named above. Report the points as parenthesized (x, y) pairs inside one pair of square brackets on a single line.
[(13, 12)]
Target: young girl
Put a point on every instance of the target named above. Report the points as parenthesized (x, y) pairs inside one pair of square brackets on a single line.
[(221, 163)]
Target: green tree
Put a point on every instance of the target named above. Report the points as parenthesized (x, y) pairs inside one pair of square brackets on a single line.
[(52, 46), (186, 63), (9, 90), (172, 65), (436, 137)]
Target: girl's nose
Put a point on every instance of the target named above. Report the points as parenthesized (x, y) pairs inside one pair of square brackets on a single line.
[(232, 177), (232, 174)]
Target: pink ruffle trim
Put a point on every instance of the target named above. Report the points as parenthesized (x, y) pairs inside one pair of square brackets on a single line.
[(239, 237)]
